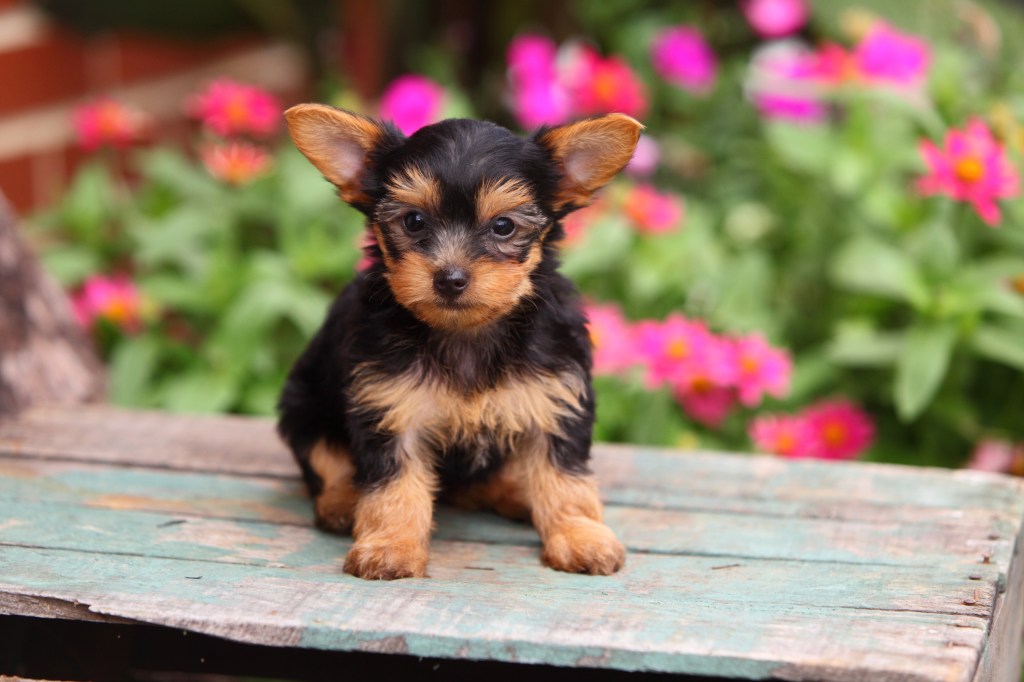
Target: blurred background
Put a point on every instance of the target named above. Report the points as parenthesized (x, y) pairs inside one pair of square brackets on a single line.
[(817, 251)]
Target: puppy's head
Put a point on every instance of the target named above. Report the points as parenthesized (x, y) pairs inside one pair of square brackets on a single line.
[(462, 209)]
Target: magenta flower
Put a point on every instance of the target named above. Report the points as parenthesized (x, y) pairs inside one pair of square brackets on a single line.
[(775, 18), (538, 95), (113, 299), (761, 369), (972, 167), (889, 56), (652, 211), (411, 102), (682, 57), (785, 435), (236, 163), (106, 121), (229, 108), (612, 338), (603, 85), (839, 429), (783, 83)]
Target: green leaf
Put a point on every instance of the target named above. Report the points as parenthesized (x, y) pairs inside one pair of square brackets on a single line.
[(803, 148), (89, 204), (871, 266), (856, 344), (199, 391), (1000, 344), (70, 265), (922, 366), (131, 370)]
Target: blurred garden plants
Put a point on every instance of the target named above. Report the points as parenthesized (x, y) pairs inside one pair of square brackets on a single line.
[(817, 251)]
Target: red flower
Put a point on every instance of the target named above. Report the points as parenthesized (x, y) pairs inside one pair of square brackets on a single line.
[(228, 108), (602, 85), (114, 299), (652, 211), (107, 122), (972, 167)]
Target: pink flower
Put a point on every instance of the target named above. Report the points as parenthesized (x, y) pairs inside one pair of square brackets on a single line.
[(652, 211), (784, 435), (775, 18), (538, 95), (840, 429), (682, 57), (684, 354), (228, 108), (113, 299), (107, 122), (706, 403), (999, 456), (761, 369), (411, 102), (971, 167), (645, 158), (887, 55), (612, 338), (602, 85), (236, 163), (783, 83)]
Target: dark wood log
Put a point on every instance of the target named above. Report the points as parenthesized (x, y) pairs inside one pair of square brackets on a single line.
[(44, 356)]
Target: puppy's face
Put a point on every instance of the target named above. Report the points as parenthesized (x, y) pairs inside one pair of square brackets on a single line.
[(462, 209)]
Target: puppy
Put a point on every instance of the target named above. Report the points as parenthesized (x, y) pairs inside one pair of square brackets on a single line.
[(459, 361)]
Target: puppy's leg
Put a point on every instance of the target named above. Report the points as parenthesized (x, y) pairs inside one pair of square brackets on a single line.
[(393, 521), (336, 502), (567, 513)]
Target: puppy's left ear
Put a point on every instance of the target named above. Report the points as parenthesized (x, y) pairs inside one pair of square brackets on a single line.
[(589, 154), (342, 145)]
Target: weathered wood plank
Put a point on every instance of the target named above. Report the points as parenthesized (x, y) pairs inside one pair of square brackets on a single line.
[(966, 540), (643, 477), (935, 587), (517, 612)]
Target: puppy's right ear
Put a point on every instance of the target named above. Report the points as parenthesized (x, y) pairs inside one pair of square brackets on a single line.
[(341, 145)]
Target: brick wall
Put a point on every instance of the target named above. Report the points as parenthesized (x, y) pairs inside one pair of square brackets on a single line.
[(46, 70)]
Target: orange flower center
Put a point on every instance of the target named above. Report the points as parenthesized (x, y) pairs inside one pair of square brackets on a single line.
[(701, 385), (118, 310), (969, 169), (604, 86), (785, 443), (677, 349), (749, 365), (1018, 284), (237, 111), (112, 121), (834, 434), (595, 338)]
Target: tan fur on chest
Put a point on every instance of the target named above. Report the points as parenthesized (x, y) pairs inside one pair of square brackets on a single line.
[(445, 415)]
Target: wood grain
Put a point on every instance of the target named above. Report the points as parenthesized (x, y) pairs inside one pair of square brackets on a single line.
[(741, 567)]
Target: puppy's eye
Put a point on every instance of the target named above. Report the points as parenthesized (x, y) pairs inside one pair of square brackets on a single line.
[(414, 222), (503, 227)]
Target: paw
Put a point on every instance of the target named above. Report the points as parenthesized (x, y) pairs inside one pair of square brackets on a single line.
[(386, 561), (584, 546)]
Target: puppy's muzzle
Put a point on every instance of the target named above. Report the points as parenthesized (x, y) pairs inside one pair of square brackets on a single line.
[(449, 283)]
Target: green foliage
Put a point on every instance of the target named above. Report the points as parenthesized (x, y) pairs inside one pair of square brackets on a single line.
[(811, 234)]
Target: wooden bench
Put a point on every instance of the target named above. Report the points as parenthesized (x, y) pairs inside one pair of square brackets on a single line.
[(739, 566)]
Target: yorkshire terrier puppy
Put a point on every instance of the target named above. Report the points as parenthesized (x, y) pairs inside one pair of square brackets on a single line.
[(459, 362)]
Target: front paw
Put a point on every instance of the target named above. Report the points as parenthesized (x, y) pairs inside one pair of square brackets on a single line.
[(583, 545), (387, 560)]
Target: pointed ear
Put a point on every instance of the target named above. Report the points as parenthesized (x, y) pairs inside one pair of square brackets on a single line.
[(340, 143), (589, 154)]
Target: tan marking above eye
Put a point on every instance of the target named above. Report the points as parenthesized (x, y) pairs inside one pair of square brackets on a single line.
[(414, 188), (496, 197)]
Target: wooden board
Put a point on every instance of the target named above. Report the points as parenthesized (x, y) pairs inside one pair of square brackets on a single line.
[(739, 566)]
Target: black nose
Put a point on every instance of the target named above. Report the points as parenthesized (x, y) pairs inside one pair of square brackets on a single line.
[(451, 282)]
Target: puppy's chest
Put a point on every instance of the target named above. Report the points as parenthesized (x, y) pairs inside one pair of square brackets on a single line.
[(447, 415)]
